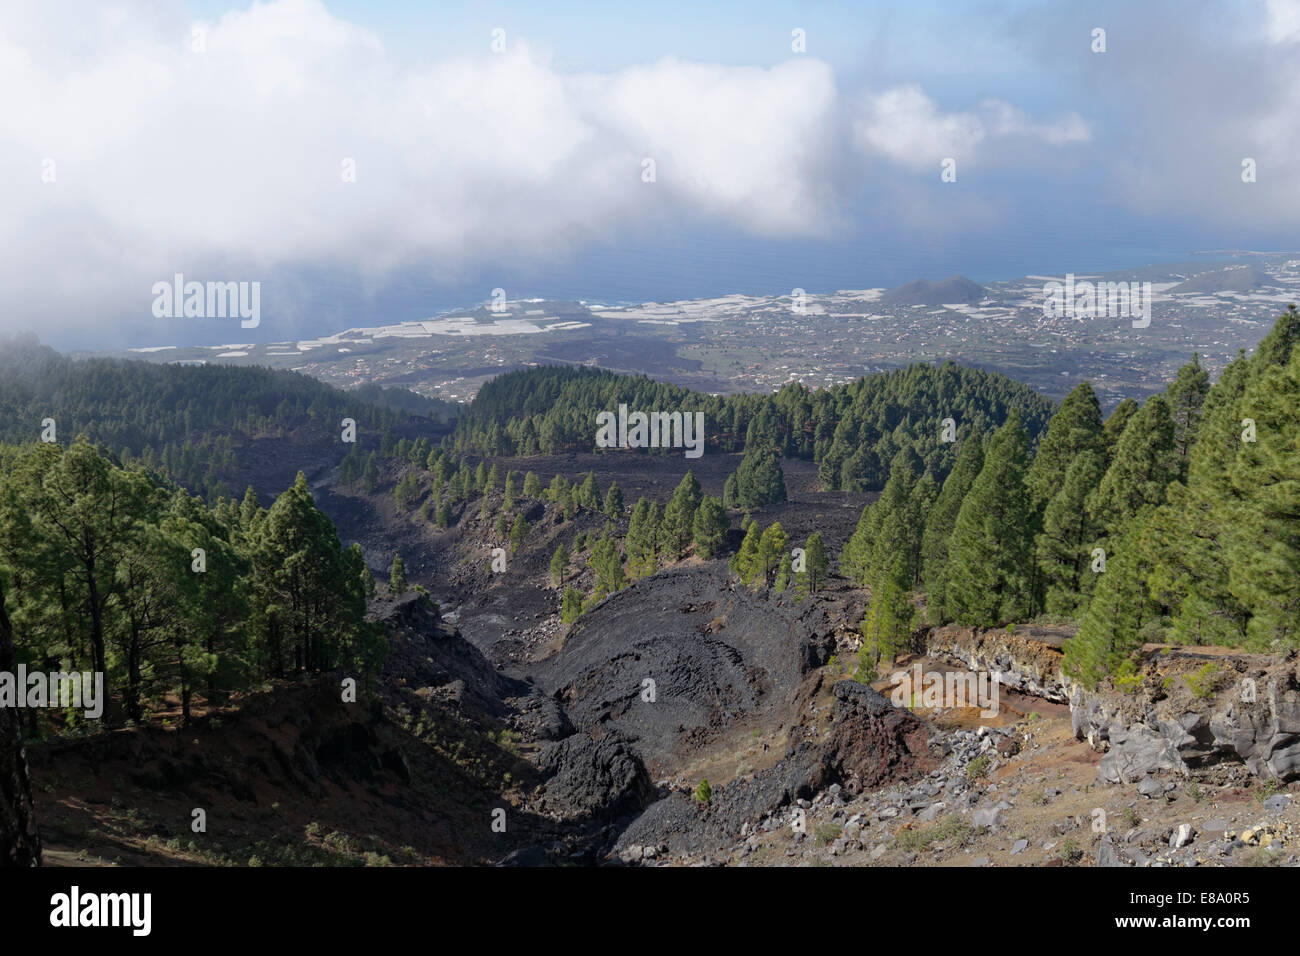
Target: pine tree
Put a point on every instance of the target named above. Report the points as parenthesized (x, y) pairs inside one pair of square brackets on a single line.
[(405, 491), (511, 492), (710, 527), (1276, 347), (1076, 428), (277, 593), (940, 524), (532, 486), (608, 566), (1064, 547), (1140, 470), (570, 605), (397, 576), (746, 562), (1190, 535), (559, 564), (82, 512), (762, 430), (888, 622), (642, 535), (613, 507), (895, 531), (679, 516), (816, 565), (368, 582), (759, 479), (991, 547), (771, 551), (855, 559), (1263, 556), (1116, 423), (589, 493), (249, 510), (1186, 396), (518, 531), (730, 492), (1112, 627)]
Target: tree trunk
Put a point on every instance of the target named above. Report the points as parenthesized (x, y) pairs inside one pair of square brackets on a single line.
[(97, 633), (212, 674), (20, 842), (133, 676), (185, 688)]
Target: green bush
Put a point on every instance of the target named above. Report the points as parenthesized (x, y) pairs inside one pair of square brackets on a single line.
[(1205, 681)]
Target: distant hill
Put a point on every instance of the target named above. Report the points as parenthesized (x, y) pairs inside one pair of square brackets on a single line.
[(213, 428), (405, 400), (1232, 279), (957, 289), (853, 431)]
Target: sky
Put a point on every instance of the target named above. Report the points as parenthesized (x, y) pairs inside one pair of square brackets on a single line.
[(372, 162)]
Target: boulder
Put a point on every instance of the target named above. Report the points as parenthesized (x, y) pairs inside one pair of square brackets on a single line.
[(593, 777), (1181, 836)]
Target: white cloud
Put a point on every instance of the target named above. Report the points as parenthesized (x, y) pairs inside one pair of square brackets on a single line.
[(171, 155), (1282, 18), (747, 144), (170, 160), (904, 125)]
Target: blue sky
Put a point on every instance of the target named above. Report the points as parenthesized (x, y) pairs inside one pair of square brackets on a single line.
[(211, 139), (596, 36)]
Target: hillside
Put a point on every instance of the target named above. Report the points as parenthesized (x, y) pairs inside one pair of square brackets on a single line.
[(216, 429), (638, 662), (1239, 279), (851, 431), (957, 289)]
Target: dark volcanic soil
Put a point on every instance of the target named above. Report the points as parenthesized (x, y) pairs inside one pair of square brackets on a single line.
[(716, 653)]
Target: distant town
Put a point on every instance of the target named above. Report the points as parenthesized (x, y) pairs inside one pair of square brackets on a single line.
[(760, 343)]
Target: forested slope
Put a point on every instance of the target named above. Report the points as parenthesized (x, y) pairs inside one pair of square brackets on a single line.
[(853, 431), (185, 421)]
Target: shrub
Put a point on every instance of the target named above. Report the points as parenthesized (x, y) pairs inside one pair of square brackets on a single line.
[(825, 833), (1205, 681), (1070, 851), (951, 828)]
